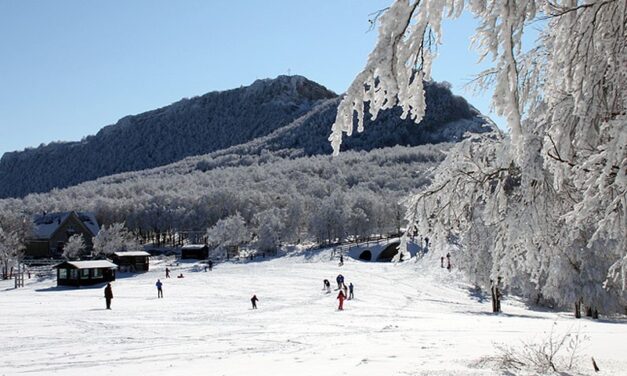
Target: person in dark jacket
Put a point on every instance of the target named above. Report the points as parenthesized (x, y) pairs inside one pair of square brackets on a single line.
[(159, 289), (341, 260), (350, 291), (340, 281), (167, 273), (210, 265), (341, 298), (327, 285), (254, 301), (108, 293)]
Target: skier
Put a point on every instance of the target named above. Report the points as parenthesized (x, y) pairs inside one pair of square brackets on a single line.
[(327, 285), (341, 260), (341, 298), (108, 293), (167, 273), (340, 281), (159, 289), (350, 291), (254, 300)]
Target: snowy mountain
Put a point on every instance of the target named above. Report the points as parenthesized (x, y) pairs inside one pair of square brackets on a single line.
[(289, 114)]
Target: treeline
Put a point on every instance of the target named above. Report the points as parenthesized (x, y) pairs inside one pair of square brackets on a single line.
[(318, 198)]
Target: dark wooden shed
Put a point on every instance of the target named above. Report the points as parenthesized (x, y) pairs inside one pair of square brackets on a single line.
[(132, 261), (85, 273), (195, 251)]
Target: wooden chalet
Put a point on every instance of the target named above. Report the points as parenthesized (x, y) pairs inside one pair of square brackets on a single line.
[(195, 251), (52, 230), (132, 261), (85, 273)]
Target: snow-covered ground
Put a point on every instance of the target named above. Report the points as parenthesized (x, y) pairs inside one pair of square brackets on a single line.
[(409, 319)]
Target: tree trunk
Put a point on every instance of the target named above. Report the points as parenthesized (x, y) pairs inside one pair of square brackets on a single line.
[(493, 293)]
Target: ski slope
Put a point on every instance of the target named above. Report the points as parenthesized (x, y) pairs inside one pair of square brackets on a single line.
[(407, 319)]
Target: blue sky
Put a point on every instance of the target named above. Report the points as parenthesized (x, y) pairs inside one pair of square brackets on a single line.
[(68, 68)]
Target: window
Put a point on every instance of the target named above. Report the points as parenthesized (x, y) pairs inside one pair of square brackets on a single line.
[(84, 273), (62, 273), (97, 273)]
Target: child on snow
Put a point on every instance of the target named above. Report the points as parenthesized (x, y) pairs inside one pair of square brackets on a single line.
[(341, 298)]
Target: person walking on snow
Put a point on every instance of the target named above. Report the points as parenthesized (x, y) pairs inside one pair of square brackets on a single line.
[(341, 260), (350, 291), (167, 273), (159, 289), (340, 281), (108, 293), (327, 285), (341, 298), (210, 265), (254, 301)]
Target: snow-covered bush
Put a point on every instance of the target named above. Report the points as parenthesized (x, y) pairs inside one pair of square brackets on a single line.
[(553, 354)]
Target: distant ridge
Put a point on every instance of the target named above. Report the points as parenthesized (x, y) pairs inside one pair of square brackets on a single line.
[(290, 115)]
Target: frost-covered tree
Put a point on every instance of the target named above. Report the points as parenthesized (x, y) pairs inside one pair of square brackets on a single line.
[(230, 231), (270, 229), (114, 238), (10, 246), (74, 247), (14, 229), (543, 208)]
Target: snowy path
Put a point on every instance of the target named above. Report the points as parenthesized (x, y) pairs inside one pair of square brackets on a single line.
[(405, 320)]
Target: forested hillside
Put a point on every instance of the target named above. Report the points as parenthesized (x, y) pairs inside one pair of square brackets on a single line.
[(279, 199), (189, 127), (289, 114)]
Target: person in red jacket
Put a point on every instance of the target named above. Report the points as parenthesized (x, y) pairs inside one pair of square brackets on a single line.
[(341, 298)]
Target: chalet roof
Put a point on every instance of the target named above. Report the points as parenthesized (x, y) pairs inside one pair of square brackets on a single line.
[(91, 264), (47, 224), (131, 253), (194, 246)]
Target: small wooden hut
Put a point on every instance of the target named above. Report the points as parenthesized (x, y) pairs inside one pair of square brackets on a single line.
[(132, 261), (195, 251), (85, 273)]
